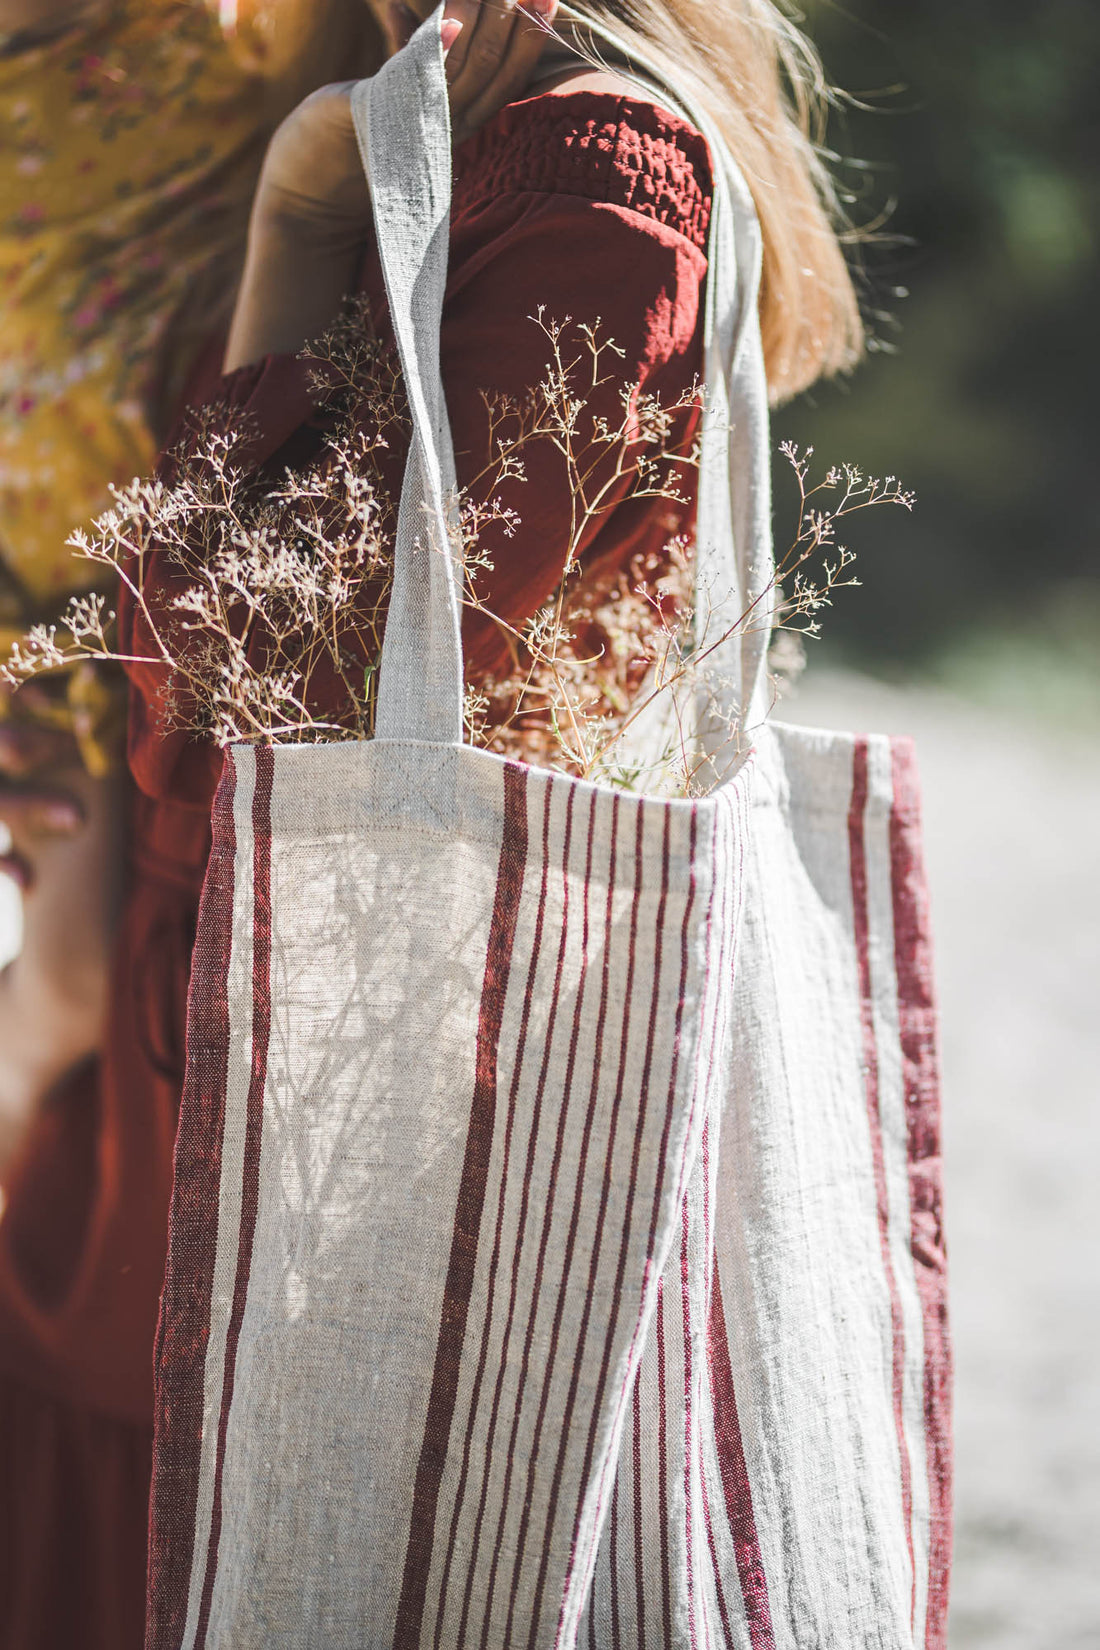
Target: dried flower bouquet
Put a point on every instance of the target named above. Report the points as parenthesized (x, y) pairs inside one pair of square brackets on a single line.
[(283, 586)]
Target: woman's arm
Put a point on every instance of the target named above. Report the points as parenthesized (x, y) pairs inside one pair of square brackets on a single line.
[(311, 215)]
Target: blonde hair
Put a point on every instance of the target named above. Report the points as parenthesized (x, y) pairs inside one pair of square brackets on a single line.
[(761, 81)]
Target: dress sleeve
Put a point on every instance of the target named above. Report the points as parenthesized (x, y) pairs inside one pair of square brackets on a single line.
[(580, 263)]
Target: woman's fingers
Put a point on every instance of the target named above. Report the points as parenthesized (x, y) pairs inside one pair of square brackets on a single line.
[(492, 47), (17, 869), (402, 24), (494, 56), (27, 747), (40, 810), (28, 813)]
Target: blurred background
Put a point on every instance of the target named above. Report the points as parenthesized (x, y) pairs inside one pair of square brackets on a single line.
[(977, 629)]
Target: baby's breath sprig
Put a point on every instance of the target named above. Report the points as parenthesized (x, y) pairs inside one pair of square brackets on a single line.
[(281, 586)]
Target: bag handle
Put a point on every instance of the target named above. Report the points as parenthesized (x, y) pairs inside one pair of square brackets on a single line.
[(402, 121), (403, 126), (734, 556)]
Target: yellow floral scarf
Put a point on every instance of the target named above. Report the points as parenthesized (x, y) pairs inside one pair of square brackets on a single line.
[(130, 147)]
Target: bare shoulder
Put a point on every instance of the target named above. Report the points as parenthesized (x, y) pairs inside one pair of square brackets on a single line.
[(582, 78)]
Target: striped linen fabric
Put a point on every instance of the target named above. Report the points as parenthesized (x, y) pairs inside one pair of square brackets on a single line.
[(439, 1230), (785, 1476), (555, 1253)]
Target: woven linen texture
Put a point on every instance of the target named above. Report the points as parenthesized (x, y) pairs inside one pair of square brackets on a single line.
[(438, 1232)]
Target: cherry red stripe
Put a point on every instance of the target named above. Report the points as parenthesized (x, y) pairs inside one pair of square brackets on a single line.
[(616, 1625), (250, 1188), (689, 1531), (659, 1179), (183, 1328), (662, 1468), (471, 1199), (857, 848), (734, 1473), (639, 1552), (528, 1181), (498, 1233), (597, 1239), (624, 1053), (579, 1009), (716, 1568), (917, 1025)]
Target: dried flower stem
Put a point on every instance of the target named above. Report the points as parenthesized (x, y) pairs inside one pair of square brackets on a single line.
[(282, 589)]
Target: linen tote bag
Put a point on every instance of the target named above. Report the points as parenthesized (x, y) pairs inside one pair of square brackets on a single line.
[(484, 1072)]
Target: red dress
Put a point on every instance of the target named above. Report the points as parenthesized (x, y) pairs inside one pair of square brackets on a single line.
[(597, 208)]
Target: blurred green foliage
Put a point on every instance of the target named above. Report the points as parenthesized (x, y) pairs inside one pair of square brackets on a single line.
[(975, 127)]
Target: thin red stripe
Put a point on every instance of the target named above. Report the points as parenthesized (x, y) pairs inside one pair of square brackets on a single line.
[(650, 1264), (470, 1204), (689, 1532), (551, 1355), (250, 1186), (861, 924), (639, 1554), (624, 1051), (616, 1623), (578, 1206), (528, 1180), (917, 1025), (183, 1328), (662, 1467), (712, 1259), (734, 1473), (498, 1234), (643, 1104), (716, 1568)]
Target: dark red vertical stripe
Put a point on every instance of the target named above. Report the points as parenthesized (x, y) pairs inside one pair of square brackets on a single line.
[(662, 1467), (920, 1064), (184, 1325), (498, 1237), (716, 1568), (513, 1301), (250, 1186), (689, 1458), (640, 1120), (662, 1157), (639, 1548), (579, 1008), (579, 1206), (857, 849), (616, 1611), (734, 1473), (459, 1284), (612, 1137)]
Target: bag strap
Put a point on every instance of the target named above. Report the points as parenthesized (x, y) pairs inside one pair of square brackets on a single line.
[(402, 122), (734, 556), (403, 125)]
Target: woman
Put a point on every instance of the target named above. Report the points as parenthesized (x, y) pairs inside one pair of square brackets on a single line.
[(557, 197), (579, 198), (133, 134)]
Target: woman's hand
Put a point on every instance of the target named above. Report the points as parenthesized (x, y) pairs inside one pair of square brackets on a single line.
[(65, 853), (311, 216), (33, 806)]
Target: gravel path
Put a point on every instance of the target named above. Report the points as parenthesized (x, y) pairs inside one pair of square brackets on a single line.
[(1013, 837)]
